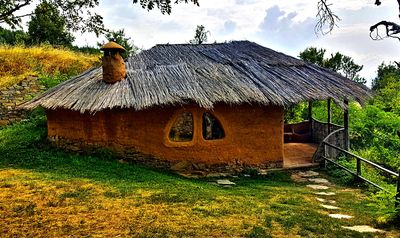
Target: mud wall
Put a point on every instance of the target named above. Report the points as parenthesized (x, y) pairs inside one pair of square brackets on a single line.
[(253, 134)]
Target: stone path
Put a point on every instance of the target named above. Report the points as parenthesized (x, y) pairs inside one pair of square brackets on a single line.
[(225, 182), (363, 229), (321, 185)]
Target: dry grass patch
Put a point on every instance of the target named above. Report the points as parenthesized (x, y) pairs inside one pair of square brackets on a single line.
[(19, 62)]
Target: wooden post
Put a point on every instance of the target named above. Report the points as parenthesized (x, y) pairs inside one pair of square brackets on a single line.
[(329, 116), (358, 168), (325, 156), (310, 118), (398, 190), (346, 125)]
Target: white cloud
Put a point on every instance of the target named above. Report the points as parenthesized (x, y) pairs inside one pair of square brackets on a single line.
[(279, 29), (285, 25)]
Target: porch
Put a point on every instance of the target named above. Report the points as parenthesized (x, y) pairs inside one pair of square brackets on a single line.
[(299, 155), (302, 140)]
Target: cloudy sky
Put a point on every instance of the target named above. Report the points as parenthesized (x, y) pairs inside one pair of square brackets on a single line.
[(285, 25)]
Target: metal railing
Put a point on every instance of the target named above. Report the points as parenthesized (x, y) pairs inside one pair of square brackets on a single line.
[(359, 160)]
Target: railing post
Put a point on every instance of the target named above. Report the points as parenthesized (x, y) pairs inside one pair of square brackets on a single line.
[(358, 168), (346, 125), (398, 190), (325, 156), (329, 116), (310, 104)]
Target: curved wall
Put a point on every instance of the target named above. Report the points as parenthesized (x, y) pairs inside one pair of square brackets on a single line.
[(253, 134)]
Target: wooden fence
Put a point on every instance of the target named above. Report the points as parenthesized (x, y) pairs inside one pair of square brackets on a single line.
[(326, 157)]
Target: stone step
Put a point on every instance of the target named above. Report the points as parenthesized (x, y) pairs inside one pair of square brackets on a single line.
[(330, 207), (363, 229), (317, 187), (340, 216)]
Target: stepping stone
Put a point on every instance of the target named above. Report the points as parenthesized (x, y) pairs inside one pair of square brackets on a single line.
[(317, 187), (309, 173), (319, 180), (321, 199), (340, 216), (326, 194), (363, 228), (329, 207), (298, 178), (225, 182), (262, 172), (324, 200)]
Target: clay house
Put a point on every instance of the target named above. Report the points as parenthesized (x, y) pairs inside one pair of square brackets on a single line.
[(212, 105)]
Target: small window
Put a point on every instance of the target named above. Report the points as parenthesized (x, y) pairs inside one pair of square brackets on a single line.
[(182, 129), (212, 129)]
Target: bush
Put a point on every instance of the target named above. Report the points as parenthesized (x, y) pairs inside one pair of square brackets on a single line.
[(385, 204)]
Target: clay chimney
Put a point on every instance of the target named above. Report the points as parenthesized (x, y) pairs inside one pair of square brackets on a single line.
[(113, 65)]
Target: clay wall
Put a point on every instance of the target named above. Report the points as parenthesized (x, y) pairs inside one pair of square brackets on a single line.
[(253, 134)]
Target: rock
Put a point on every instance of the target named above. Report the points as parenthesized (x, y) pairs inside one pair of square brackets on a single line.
[(225, 182), (320, 200), (329, 207), (188, 175), (298, 178), (319, 180), (181, 166), (262, 172), (309, 173), (340, 216), (317, 187), (363, 228), (216, 175), (326, 194), (199, 166)]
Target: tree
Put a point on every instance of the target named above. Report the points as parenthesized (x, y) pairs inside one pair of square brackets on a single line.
[(12, 37), (338, 62), (79, 14), (386, 74), (200, 35), (327, 21), (120, 38), (46, 25)]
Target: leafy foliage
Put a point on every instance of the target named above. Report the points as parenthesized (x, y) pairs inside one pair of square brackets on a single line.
[(12, 37), (337, 62), (120, 38), (47, 25), (386, 73), (163, 5), (79, 15), (200, 36)]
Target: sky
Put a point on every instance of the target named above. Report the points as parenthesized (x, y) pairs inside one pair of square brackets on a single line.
[(286, 26)]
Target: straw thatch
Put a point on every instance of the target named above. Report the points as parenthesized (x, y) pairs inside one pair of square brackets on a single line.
[(234, 73)]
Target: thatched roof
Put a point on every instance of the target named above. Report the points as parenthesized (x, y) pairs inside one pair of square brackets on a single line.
[(233, 73)]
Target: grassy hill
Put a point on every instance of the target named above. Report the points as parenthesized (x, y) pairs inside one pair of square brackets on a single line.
[(47, 192), (18, 62)]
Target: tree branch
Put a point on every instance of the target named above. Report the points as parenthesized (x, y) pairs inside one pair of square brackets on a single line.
[(9, 12), (391, 30), (326, 18)]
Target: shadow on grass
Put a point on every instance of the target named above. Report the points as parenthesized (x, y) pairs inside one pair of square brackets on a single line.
[(24, 146)]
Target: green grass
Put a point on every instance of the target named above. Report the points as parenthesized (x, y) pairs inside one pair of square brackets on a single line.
[(46, 191)]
